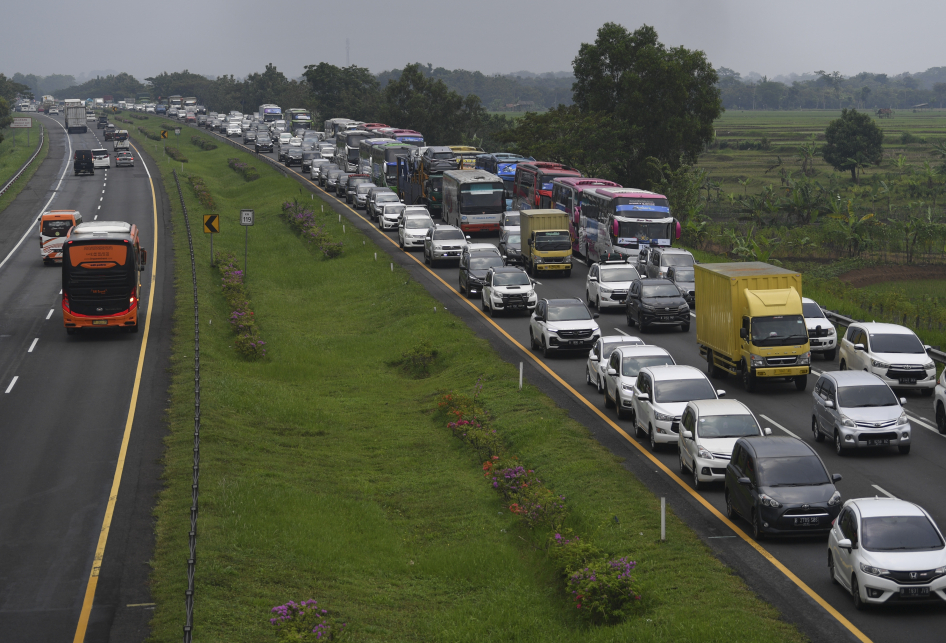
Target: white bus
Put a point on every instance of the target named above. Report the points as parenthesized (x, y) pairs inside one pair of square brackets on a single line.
[(622, 221), (473, 200)]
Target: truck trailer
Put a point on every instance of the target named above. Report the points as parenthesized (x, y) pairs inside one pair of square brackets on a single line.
[(75, 119)]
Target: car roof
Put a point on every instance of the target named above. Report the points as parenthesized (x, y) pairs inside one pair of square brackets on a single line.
[(642, 350), (879, 327), (720, 407), (574, 301), (806, 300), (506, 269), (674, 372), (654, 281), (774, 446), (874, 507), (675, 251), (622, 339), (853, 378)]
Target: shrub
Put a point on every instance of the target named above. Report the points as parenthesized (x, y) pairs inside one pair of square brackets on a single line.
[(604, 591), (153, 137), (248, 342), (305, 622), (907, 138), (203, 143), (416, 362), (302, 220), (175, 154), (248, 172), (203, 194)]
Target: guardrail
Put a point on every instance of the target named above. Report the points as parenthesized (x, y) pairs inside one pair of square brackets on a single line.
[(935, 354), (192, 536), (42, 138)]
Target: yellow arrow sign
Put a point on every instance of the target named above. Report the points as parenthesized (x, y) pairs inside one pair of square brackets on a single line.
[(211, 224), (164, 133), (114, 109)]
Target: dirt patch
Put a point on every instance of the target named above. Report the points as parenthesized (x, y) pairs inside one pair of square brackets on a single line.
[(892, 272)]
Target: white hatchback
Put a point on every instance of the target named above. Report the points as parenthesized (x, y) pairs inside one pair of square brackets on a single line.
[(600, 354), (894, 353), (661, 394)]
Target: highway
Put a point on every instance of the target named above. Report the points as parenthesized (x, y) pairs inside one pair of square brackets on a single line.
[(81, 417), (792, 572)]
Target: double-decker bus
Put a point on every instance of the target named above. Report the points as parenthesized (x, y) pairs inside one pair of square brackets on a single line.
[(466, 155), (176, 102), (406, 136), (532, 187), (101, 262), (364, 152), (269, 113), (473, 200), (566, 196), (624, 220), (384, 162), (347, 148), (298, 117), (503, 165)]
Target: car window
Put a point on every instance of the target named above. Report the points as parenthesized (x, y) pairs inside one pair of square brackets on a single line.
[(812, 310), (851, 334), (615, 361), (750, 471), (596, 349), (727, 426), (899, 533), (896, 343), (482, 263), (619, 274), (632, 364), (792, 471), (568, 312), (739, 457), (845, 522), (687, 421), (670, 391), (866, 396)]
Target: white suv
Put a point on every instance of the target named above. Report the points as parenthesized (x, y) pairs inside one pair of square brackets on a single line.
[(100, 158), (508, 289), (600, 355), (661, 394), (623, 367), (562, 324), (608, 282), (822, 335), (939, 403), (893, 353)]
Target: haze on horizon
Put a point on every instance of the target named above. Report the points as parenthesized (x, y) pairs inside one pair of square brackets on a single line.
[(241, 37)]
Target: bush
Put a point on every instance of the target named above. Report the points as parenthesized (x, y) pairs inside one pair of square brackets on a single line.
[(203, 143), (907, 138), (302, 220), (248, 172), (203, 194), (604, 591), (175, 154), (248, 340), (306, 622), (153, 137), (416, 362)]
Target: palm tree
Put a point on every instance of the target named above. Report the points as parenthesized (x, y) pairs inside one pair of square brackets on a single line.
[(853, 228), (922, 227)]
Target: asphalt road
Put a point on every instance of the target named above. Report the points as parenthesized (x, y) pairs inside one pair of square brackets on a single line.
[(820, 611), (64, 405)]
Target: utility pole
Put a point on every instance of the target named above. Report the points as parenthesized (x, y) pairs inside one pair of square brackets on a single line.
[(347, 63)]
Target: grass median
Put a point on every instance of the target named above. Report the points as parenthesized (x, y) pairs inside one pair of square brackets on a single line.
[(14, 153), (324, 473)]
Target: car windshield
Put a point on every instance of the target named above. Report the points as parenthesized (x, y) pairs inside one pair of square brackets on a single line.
[(568, 312), (780, 330), (727, 426), (631, 366), (511, 279), (896, 343), (857, 397), (899, 533), (669, 391), (513, 239), (441, 155), (512, 220), (393, 210), (549, 241), (812, 311), (619, 274), (608, 347), (684, 274), (792, 471), (483, 263), (676, 260), (448, 235), (418, 224), (663, 290)]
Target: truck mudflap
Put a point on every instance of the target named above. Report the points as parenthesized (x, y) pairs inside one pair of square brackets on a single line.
[(789, 371)]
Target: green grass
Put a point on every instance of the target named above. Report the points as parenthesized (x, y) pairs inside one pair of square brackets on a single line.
[(914, 289), (12, 158), (325, 475)]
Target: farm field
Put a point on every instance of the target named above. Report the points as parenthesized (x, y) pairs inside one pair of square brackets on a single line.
[(914, 289)]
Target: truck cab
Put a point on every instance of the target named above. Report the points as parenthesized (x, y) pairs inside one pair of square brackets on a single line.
[(546, 241)]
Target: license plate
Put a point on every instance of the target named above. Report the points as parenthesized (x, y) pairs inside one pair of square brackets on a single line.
[(806, 521), (877, 443), (815, 342), (914, 591), (515, 306), (102, 322), (908, 380)]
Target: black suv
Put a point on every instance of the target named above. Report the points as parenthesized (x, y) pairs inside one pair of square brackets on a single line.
[(103, 122), (263, 143), (82, 162), (473, 268), (656, 302), (293, 156)]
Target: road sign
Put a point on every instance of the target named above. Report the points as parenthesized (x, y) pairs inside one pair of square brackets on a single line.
[(211, 223), (22, 122), (177, 131), (246, 217), (114, 109), (164, 133)]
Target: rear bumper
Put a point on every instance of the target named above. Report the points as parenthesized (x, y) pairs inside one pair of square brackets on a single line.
[(128, 318)]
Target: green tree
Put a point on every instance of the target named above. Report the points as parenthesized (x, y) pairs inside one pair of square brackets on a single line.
[(661, 101), (851, 141), (5, 117), (349, 92)]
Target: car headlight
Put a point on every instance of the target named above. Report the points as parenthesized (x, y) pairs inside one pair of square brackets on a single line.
[(703, 453), (538, 259), (663, 417), (929, 366), (876, 363), (604, 290), (903, 418), (873, 571), (805, 359), (532, 296), (647, 307), (769, 501), (835, 499), (628, 387), (832, 331), (846, 421), (551, 329), (756, 360)]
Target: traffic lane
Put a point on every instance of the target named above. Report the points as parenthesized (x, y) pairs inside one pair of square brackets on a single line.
[(63, 422)]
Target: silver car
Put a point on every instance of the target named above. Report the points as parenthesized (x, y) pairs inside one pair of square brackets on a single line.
[(856, 410), (361, 194), (412, 229), (377, 200), (443, 242)]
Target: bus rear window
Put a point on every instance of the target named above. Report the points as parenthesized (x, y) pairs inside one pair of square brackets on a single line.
[(99, 253), (56, 227)]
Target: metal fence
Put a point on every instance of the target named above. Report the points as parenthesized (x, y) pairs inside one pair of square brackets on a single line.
[(42, 137), (192, 535)]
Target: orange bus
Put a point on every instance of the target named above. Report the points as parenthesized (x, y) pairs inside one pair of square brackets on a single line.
[(101, 262), (54, 225)]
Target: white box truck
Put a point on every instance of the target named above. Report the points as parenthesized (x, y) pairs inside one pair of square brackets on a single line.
[(75, 119)]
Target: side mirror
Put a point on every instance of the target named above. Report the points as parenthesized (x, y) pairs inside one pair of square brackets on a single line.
[(926, 347), (743, 333), (687, 435), (612, 372), (766, 431), (468, 237), (903, 401), (858, 347), (592, 279), (595, 316), (720, 393), (829, 404), (643, 397), (836, 477), (539, 318), (144, 258), (744, 481), (845, 543)]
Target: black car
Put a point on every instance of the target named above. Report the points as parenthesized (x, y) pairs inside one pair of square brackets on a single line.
[(473, 269), (685, 280), (103, 122), (656, 302), (249, 136), (781, 486), (263, 144), (82, 162), (307, 156), (354, 180), (510, 246), (293, 156), (340, 181)]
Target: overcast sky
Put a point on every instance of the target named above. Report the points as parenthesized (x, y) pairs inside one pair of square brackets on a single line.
[(239, 37)]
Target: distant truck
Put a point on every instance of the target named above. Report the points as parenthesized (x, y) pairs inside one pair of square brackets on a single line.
[(546, 244), (750, 323), (75, 119)]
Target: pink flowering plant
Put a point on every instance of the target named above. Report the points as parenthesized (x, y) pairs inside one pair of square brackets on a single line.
[(248, 341), (301, 219), (603, 591), (306, 621), (248, 172)]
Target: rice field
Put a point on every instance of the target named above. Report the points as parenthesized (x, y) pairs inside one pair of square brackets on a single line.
[(915, 289)]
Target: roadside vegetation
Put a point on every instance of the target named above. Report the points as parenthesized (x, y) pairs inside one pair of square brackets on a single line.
[(12, 158), (327, 471)]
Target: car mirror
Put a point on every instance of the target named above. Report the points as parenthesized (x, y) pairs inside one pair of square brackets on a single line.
[(720, 393), (845, 543), (144, 257), (688, 435), (829, 404), (539, 318), (858, 347), (903, 401), (835, 477), (643, 397), (926, 347), (745, 481), (467, 237), (766, 431), (612, 372), (595, 316), (592, 279), (743, 333)]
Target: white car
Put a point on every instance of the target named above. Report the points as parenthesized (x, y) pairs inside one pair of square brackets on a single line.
[(822, 335), (53, 110), (624, 366), (100, 158), (608, 282), (599, 355), (378, 200), (661, 394), (234, 129), (939, 403), (482, 247), (412, 229), (509, 222), (893, 353), (883, 549), (284, 138), (390, 216), (295, 141), (508, 289), (149, 109), (708, 432), (562, 324)]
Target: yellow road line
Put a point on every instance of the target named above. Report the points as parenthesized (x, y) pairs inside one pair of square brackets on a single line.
[(120, 466), (772, 559)]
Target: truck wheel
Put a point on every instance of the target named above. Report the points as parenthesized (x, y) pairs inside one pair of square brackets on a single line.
[(801, 382), (748, 379)]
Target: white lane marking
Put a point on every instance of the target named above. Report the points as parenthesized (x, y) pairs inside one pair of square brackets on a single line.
[(101, 198), (767, 418), (622, 332), (883, 491), (32, 346), (29, 228), (12, 382), (923, 423), (95, 218), (51, 311), (99, 208), (103, 191)]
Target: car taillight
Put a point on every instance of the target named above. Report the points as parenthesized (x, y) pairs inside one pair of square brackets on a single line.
[(133, 301), (65, 303)]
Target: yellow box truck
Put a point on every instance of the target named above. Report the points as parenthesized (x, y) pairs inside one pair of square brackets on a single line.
[(750, 323), (546, 242)]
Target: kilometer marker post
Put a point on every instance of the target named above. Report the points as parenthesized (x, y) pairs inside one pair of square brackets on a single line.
[(246, 220)]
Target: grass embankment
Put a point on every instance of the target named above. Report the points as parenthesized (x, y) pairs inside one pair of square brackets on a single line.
[(12, 158), (325, 475)]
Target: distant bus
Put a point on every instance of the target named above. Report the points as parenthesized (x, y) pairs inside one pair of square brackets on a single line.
[(334, 125), (384, 162), (624, 220), (364, 152), (175, 102), (347, 150), (298, 117), (503, 165), (141, 99), (466, 155), (532, 187), (566, 196), (101, 263), (407, 136), (473, 200), (269, 113)]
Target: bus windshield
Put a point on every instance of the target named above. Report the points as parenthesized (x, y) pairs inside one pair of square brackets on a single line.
[(644, 232), (484, 198), (56, 227), (629, 204)]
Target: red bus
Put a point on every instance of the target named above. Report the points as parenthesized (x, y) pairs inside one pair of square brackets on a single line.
[(532, 187)]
